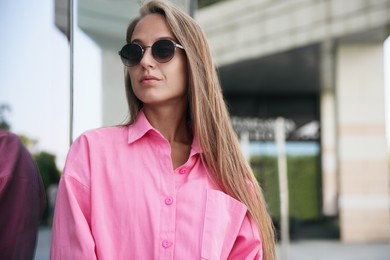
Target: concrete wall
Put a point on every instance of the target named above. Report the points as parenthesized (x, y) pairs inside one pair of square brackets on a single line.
[(362, 151), (261, 27), (114, 94)]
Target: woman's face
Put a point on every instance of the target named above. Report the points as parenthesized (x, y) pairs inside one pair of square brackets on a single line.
[(157, 83)]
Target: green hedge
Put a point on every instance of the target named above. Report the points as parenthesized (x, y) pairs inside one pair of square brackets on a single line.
[(303, 184)]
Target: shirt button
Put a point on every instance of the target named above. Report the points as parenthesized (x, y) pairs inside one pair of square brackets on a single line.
[(168, 200), (166, 243), (183, 171)]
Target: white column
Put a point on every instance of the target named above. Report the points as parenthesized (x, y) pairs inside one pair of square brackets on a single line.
[(115, 109), (363, 162), (328, 131)]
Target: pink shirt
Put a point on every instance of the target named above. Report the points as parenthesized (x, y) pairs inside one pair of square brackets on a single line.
[(120, 198)]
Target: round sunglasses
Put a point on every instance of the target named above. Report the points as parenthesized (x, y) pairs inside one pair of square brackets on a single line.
[(162, 51)]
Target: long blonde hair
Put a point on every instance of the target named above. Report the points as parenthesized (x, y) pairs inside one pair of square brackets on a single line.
[(209, 115)]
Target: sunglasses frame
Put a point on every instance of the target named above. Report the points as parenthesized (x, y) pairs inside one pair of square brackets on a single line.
[(126, 62)]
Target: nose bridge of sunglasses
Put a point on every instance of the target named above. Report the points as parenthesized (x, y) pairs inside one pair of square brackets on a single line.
[(146, 51)]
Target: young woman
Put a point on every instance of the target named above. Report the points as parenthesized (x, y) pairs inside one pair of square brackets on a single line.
[(172, 183)]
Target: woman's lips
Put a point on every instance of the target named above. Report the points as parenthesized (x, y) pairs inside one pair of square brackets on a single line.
[(148, 79)]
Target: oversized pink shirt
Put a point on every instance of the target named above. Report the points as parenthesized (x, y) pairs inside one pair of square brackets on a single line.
[(120, 198)]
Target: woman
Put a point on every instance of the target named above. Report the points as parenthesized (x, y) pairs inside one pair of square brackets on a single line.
[(172, 183)]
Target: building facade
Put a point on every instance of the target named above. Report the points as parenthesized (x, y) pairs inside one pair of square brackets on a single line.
[(317, 63)]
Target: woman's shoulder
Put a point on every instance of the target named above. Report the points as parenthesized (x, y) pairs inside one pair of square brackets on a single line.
[(96, 142), (105, 133), (99, 137)]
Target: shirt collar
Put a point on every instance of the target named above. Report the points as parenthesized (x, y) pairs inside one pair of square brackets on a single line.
[(141, 126), (195, 146)]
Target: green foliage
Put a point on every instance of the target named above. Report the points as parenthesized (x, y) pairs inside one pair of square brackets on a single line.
[(47, 167), (50, 175), (4, 108), (4, 125), (303, 185), (29, 143)]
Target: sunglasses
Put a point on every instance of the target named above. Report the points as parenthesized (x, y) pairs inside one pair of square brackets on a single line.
[(162, 51)]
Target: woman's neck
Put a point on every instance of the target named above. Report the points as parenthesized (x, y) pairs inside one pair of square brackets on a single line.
[(171, 122)]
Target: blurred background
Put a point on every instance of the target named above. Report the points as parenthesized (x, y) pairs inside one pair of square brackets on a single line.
[(322, 65)]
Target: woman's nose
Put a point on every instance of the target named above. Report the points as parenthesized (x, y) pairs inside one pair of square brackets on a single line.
[(147, 58)]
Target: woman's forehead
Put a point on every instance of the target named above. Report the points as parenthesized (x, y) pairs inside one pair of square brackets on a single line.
[(151, 27)]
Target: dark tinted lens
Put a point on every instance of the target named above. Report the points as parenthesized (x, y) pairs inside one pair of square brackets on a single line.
[(163, 50), (131, 54)]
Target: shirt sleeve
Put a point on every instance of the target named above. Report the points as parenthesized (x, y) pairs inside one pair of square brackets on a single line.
[(248, 244), (71, 234)]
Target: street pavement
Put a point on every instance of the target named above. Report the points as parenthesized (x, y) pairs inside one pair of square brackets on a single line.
[(297, 250)]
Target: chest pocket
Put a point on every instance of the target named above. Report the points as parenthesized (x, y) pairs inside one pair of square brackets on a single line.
[(223, 218)]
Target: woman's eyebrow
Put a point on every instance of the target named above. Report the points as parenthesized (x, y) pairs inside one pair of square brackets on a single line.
[(139, 41)]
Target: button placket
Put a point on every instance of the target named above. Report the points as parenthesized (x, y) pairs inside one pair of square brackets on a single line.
[(168, 213)]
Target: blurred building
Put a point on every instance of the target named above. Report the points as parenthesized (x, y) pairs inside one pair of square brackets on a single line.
[(317, 63)]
